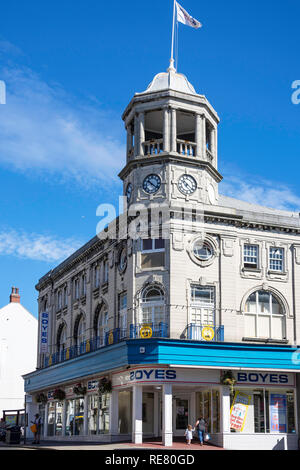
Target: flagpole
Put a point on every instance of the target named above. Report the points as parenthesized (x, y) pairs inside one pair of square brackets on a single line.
[(173, 35)]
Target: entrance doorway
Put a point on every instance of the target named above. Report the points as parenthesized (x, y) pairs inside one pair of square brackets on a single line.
[(181, 414)]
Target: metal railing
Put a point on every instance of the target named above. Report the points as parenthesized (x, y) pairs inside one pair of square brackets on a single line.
[(205, 332), (140, 331)]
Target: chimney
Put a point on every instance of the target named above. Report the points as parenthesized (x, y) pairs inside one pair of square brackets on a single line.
[(14, 296)]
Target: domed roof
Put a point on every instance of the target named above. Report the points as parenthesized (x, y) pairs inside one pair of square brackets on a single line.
[(170, 80)]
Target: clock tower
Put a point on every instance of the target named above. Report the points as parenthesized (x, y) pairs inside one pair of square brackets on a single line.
[(172, 154)]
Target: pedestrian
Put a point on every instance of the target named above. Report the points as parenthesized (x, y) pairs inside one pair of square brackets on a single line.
[(38, 426), (189, 434), (201, 428)]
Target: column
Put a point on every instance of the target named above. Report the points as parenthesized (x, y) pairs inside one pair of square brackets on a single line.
[(203, 137), (64, 417), (114, 414), (46, 420), (173, 130), (167, 428), (141, 137), (129, 142), (136, 135), (225, 411), (198, 128), (166, 131), (137, 415), (85, 416), (193, 417), (213, 141)]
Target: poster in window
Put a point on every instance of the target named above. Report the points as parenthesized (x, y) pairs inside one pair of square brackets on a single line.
[(239, 409), (278, 412)]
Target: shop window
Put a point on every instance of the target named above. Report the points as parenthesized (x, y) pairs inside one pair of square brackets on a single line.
[(75, 417), (98, 414), (125, 412), (264, 411), (264, 316)]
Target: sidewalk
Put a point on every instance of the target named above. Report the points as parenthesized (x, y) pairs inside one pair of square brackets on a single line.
[(148, 445)]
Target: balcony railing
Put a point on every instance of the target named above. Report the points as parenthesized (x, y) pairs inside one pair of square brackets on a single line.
[(139, 331), (205, 332), (156, 146), (153, 147), (186, 148)]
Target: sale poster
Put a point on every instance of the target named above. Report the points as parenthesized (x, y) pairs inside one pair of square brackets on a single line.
[(278, 413), (239, 409)]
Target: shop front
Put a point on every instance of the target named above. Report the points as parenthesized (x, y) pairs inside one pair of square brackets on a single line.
[(259, 410)]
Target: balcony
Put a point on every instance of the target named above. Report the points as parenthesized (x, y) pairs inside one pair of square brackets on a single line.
[(111, 337), (205, 332), (152, 148), (140, 331)]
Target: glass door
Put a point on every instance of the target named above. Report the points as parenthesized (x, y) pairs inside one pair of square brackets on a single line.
[(181, 415)]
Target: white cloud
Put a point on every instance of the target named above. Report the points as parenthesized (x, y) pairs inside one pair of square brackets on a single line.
[(261, 192), (44, 130), (36, 247)]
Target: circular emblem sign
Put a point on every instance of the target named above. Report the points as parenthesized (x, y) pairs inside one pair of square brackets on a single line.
[(110, 338), (146, 332), (208, 333)]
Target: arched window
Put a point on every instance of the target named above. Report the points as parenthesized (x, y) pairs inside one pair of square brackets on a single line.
[(264, 316), (62, 338), (153, 305), (102, 325), (80, 330)]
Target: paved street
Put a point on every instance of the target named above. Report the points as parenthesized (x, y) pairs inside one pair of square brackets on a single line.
[(149, 445)]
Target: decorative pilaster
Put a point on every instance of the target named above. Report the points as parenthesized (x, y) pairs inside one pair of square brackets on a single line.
[(141, 136), (173, 130), (137, 415), (166, 131), (167, 429)]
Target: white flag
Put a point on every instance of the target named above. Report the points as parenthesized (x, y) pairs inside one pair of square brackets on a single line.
[(185, 18)]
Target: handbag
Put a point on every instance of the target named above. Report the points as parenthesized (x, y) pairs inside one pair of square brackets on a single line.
[(207, 437), (33, 428)]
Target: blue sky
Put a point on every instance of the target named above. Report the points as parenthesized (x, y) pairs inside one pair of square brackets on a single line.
[(71, 68)]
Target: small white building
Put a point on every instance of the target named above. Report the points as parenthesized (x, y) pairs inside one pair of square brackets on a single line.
[(18, 351)]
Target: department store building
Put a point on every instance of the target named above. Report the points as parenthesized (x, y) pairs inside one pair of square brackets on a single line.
[(185, 306)]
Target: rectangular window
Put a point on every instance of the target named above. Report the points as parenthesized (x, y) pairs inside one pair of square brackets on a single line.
[(251, 256), (105, 271), (83, 285), (96, 277), (76, 289), (153, 253), (276, 259), (202, 307), (65, 297), (153, 244)]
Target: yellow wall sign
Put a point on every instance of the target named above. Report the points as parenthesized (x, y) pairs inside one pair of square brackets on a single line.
[(146, 332), (208, 333), (110, 338)]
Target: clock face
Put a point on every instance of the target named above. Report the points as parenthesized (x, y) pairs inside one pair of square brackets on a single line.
[(151, 184), (187, 184), (129, 192)]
